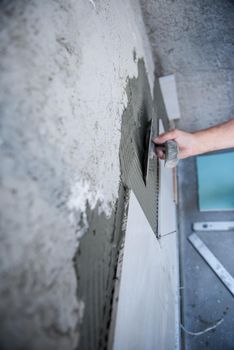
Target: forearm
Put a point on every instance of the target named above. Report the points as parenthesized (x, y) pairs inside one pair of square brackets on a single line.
[(190, 144), (216, 138)]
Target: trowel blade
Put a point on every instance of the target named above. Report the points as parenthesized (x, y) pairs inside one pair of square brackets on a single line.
[(149, 150)]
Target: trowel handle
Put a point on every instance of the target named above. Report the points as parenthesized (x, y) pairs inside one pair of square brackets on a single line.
[(171, 154), (171, 150)]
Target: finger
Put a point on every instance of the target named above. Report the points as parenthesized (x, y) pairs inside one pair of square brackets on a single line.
[(170, 135), (160, 153)]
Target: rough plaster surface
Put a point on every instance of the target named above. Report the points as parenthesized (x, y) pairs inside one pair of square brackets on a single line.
[(64, 66)]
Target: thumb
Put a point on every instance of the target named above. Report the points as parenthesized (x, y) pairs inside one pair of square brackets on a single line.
[(170, 135)]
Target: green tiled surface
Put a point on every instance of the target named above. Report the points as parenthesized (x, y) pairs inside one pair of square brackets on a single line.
[(216, 181)]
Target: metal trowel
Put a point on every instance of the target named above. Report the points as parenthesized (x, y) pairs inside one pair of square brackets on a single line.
[(170, 149)]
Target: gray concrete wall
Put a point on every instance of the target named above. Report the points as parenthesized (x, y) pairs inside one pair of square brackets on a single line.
[(63, 72), (194, 41)]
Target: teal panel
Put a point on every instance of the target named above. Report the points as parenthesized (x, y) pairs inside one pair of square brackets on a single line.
[(216, 181)]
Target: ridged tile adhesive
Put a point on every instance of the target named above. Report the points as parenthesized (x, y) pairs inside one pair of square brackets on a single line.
[(136, 118)]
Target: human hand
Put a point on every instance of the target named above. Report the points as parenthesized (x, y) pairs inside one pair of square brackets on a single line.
[(187, 143)]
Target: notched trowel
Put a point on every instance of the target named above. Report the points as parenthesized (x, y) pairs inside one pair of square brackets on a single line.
[(170, 149)]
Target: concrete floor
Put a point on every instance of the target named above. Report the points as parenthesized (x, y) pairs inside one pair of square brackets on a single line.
[(195, 41), (205, 300)]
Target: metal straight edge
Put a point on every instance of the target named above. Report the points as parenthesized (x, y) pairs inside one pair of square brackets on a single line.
[(213, 262), (214, 226)]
